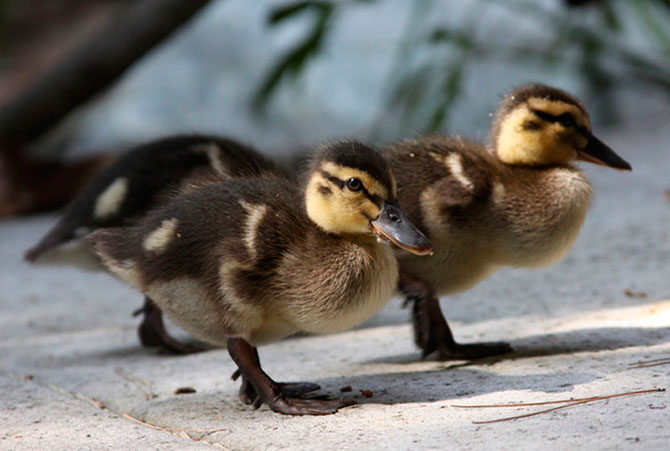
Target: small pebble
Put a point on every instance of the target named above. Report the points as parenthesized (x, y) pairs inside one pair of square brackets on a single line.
[(184, 390), (366, 393), (632, 294)]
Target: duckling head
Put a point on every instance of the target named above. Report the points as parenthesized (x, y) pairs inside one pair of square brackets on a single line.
[(351, 191), (538, 125)]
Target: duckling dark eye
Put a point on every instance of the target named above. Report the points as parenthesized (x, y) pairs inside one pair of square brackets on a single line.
[(354, 184), (567, 120)]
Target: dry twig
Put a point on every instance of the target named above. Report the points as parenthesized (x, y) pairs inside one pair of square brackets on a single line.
[(570, 403), (650, 363)]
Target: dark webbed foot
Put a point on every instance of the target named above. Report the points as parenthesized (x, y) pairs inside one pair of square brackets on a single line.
[(258, 388), (431, 331), (152, 331), (249, 396)]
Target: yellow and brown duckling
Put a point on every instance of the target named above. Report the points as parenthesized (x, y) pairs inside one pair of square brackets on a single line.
[(252, 260), (135, 183), (520, 204)]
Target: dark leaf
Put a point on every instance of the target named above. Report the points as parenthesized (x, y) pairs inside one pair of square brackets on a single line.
[(458, 38), (293, 62), (285, 12), (450, 90)]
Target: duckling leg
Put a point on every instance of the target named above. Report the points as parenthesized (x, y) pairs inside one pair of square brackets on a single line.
[(431, 331), (152, 331), (270, 392), (249, 396)]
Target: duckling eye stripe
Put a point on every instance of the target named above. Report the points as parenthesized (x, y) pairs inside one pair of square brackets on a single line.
[(551, 118), (377, 200), (374, 198), (546, 116), (332, 178)]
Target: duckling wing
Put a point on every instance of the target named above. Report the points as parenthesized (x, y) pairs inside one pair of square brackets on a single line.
[(139, 179), (439, 176), (208, 256)]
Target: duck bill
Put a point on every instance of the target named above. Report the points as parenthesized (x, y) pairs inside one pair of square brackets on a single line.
[(598, 152), (393, 225)]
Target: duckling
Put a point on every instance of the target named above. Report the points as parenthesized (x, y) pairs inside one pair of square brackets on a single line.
[(251, 260), (136, 182), (521, 203)]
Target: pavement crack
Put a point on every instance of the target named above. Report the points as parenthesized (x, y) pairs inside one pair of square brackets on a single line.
[(198, 436), (142, 385)]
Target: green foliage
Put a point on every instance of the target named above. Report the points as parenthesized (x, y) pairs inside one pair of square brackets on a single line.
[(295, 60), (589, 38)]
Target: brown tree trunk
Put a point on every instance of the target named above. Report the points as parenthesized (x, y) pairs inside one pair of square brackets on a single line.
[(26, 185), (90, 68)]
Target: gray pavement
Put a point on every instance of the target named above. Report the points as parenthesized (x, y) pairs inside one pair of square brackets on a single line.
[(72, 373)]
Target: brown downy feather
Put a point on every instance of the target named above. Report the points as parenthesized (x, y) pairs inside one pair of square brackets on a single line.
[(242, 258), (138, 180)]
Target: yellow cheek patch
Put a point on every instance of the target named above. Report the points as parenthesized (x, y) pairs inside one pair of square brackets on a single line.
[(516, 145), (338, 211), (581, 141), (370, 209), (556, 108), (371, 184)]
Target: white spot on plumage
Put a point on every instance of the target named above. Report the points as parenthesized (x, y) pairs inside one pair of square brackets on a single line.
[(213, 154), (110, 200), (255, 217), (454, 162), (159, 239), (498, 192)]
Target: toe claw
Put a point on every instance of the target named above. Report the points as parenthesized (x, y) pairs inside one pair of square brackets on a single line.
[(257, 403)]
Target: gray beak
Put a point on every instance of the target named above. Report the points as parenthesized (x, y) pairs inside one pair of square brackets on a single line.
[(393, 225), (598, 152)]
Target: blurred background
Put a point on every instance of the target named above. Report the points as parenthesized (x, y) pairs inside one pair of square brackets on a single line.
[(80, 80)]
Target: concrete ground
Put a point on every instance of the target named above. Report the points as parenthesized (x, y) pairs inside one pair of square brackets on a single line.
[(73, 376)]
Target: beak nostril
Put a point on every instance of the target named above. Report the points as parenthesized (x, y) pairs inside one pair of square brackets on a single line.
[(395, 218)]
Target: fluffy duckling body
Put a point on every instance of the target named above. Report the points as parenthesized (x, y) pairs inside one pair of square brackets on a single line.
[(490, 215), (136, 182), (249, 261), (520, 204)]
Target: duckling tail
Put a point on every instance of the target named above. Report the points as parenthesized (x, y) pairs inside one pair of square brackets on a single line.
[(62, 232)]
